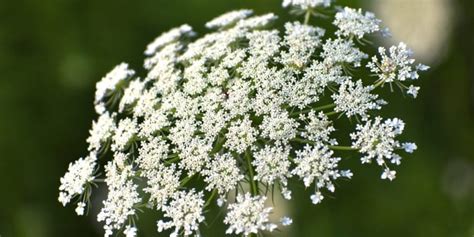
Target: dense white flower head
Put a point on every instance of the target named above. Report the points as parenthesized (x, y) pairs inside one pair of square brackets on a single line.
[(248, 215), (317, 164), (122, 195), (305, 4), (241, 135), (131, 94), (376, 139), (228, 19), (301, 41), (185, 212), (126, 130), (152, 153), (245, 111), (256, 22), (222, 174), (78, 176), (397, 66), (272, 165), (115, 78), (352, 22), (169, 37), (102, 130), (353, 98), (163, 182), (318, 127), (278, 126), (341, 51)]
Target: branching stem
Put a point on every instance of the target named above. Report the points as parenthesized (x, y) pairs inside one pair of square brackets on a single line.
[(307, 16), (253, 184), (323, 107)]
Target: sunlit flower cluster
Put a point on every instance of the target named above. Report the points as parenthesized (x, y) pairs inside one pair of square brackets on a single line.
[(243, 112)]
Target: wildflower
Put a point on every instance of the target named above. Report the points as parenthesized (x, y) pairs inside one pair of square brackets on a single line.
[(163, 182), (245, 105), (222, 174), (126, 131), (340, 51), (316, 164), (397, 66), (114, 79), (131, 94), (79, 174), (185, 213), (169, 37), (377, 140), (278, 126), (305, 4), (301, 41), (122, 194), (355, 99), (248, 215), (152, 153), (317, 197), (409, 147), (102, 130), (318, 127), (352, 22), (241, 135), (257, 21), (272, 165), (228, 19)]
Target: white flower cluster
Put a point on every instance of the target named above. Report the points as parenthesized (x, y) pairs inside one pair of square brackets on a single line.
[(397, 67), (238, 112), (75, 182), (228, 19), (185, 211), (122, 194), (317, 164), (248, 215), (376, 140), (112, 82), (355, 99), (306, 4), (351, 22)]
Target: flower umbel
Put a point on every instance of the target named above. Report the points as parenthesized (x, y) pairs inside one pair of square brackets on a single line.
[(248, 215), (229, 118)]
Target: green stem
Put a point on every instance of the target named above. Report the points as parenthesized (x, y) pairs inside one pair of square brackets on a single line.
[(328, 106), (331, 113), (379, 83), (208, 202), (307, 16), (219, 143), (343, 148), (185, 180), (301, 140), (340, 148), (253, 184), (172, 159)]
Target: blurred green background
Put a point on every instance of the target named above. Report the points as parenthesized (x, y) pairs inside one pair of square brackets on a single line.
[(53, 51)]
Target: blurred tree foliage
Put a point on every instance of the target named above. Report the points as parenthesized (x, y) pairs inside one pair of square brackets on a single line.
[(53, 51)]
